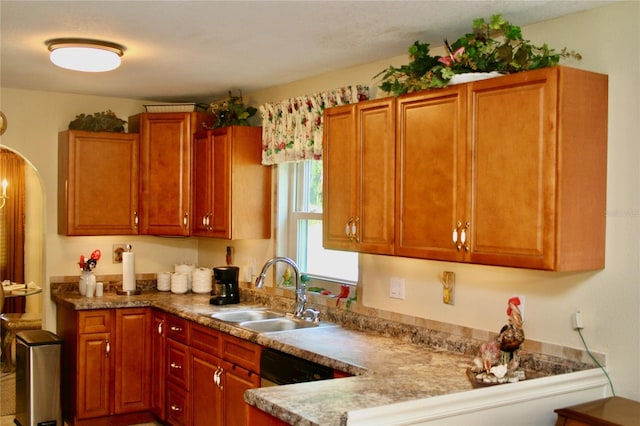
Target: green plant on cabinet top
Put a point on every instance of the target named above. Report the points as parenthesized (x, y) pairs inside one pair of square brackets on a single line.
[(494, 46)]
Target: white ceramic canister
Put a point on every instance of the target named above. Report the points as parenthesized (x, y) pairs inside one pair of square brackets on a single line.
[(99, 289), (179, 283), (201, 280), (187, 269), (163, 282)]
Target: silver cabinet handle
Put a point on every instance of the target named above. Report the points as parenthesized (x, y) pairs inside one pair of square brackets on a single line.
[(217, 377), (175, 328), (354, 229), (176, 408), (185, 219), (454, 237), (135, 218), (107, 347), (160, 327), (463, 236), (175, 366)]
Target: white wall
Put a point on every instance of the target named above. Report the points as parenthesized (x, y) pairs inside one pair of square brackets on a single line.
[(34, 119), (608, 38)]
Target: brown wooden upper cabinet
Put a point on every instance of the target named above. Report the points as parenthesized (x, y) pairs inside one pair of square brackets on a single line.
[(97, 183), (165, 170), (231, 189), (509, 171), (359, 176)]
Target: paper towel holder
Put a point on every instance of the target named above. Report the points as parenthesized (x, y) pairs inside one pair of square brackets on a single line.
[(121, 292)]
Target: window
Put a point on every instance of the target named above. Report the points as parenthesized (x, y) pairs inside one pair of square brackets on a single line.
[(300, 224)]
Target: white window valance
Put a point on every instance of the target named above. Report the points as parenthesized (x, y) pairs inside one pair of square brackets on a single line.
[(292, 129)]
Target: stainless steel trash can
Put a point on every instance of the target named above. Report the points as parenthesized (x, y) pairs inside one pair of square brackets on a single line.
[(38, 378)]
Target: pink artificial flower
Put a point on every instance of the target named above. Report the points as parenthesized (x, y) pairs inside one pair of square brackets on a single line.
[(445, 60), (452, 57)]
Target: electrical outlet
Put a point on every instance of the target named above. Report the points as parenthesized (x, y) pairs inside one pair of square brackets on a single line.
[(396, 288), (118, 249), (576, 320)]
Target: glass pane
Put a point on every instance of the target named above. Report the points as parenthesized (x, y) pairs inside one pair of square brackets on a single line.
[(315, 186), (319, 261), (308, 186)]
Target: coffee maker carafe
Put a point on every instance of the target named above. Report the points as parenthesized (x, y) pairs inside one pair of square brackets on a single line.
[(226, 286)]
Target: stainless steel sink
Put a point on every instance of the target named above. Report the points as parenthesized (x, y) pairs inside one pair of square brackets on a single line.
[(246, 315), (277, 324)]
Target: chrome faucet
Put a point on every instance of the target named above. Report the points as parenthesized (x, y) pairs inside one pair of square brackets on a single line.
[(301, 297)]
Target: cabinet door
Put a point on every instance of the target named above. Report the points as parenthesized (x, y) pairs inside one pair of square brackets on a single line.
[(206, 389), (165, 153), (375, 177), (202, 171), (220, 225), (359, 177), (98, 183), (94, 374), (513, 171), (237, 380), (339, 177), (133, 351), (431, 192), (158, 359)]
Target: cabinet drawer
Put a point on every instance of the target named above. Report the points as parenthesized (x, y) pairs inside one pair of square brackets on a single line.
[(177, 329), (178, 406), (241, 352), (205, 339), (97, 321), (178, 364)]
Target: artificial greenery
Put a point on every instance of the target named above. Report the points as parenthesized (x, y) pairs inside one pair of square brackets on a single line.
[(106, 121), (230, 112), (496, 45)]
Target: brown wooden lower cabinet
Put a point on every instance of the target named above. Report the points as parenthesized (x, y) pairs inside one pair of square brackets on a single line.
[(128, 365), (206, 389), (105, 363), (258, 417), (207, 373), (236, 381), (158, 364), (612, 411)]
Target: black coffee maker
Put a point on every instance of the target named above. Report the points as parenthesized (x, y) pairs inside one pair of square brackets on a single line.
[(226, 285)]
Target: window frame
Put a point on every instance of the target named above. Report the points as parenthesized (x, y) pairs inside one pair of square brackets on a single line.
[(288, 236)]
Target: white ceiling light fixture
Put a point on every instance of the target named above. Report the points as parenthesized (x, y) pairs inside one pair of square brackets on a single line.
[(81, 54)]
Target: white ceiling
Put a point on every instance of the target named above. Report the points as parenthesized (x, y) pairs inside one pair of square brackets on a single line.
[(191, 51)]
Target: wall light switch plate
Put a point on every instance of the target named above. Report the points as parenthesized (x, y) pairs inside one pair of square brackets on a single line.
[(448, 287), (396, 288)]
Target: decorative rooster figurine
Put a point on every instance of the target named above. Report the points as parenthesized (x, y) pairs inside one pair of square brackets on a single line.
[(512, 335)]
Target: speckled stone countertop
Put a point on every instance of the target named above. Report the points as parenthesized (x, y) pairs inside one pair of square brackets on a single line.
[(385, 369)]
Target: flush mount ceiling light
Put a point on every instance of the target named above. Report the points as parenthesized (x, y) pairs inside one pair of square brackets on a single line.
[(80, 54)]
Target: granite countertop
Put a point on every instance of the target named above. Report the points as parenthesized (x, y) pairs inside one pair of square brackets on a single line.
[(386, 370)]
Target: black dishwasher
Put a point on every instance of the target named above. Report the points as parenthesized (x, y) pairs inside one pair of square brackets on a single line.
[(278, 368)]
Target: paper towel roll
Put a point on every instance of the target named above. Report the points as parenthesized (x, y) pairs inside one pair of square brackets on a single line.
[(128, 271)]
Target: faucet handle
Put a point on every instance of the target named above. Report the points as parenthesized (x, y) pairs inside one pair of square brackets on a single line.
[(311, 315)]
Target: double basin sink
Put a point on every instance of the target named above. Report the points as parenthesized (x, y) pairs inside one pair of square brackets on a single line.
[(265, 321)]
